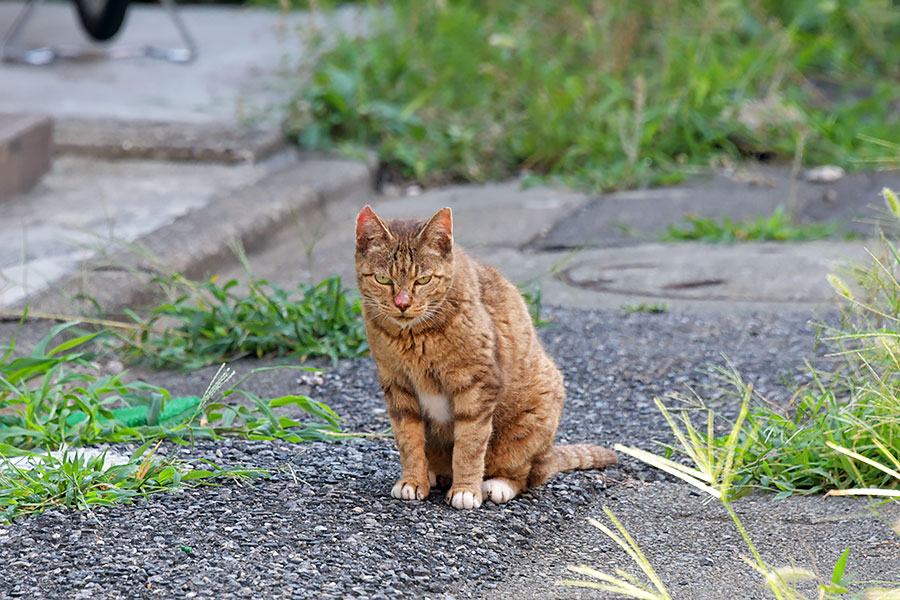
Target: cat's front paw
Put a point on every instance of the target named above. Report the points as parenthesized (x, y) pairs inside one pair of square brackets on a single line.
[(464, 497), (406, 489)]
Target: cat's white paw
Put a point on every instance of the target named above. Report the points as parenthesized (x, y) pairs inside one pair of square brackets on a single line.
[(432, 479), (497, 490), (405, 491), (465, 500)]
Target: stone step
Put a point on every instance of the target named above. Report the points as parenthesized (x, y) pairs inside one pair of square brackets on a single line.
[(26, 146), (116, 139)]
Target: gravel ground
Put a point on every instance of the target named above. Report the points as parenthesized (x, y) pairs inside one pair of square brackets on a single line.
[(324, 525)]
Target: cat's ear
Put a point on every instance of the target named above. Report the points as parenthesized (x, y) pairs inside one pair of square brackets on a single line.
[(368, 228), (438, 231)]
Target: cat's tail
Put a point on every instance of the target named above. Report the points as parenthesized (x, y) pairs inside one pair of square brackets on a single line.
[(570, 457)]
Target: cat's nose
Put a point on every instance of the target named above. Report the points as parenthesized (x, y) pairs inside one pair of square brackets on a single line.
[(402, 300)]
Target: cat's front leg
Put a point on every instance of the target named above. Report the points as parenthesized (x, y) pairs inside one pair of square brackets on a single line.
[(471, 433), (409, 435)]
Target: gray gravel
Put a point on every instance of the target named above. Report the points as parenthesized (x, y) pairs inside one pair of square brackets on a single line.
[(324, 525)]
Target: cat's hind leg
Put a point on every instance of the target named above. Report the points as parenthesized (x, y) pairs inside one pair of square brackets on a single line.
[(440, 467), (439, 480), (503, 482), (499, 489)]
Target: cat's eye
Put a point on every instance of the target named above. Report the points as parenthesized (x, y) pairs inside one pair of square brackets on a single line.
[(423, 280), (383, 280)]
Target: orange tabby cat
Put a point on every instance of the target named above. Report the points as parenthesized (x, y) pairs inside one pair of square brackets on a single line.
[(472, 396)]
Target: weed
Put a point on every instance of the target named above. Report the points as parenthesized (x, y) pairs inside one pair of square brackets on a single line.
[(50, 399), (777, 227), (714, 471), (532, 295), (605, 95), (855, 407), (654, 308), (624, 584), (69, 480), (216, 322), (785, 448), (260, 422)]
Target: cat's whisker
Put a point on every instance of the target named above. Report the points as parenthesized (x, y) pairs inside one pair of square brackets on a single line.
[(427, 318), (441, 309), (433, 315)]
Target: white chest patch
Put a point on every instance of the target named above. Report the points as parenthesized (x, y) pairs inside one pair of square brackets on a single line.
[(436, 407)]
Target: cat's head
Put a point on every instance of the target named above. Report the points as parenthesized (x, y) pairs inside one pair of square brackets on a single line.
[(404, 268)]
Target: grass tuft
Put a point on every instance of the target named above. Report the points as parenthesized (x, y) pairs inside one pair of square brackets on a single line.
[(654, 308), (622, 583), (53, 397), (839, 432), (531, 294), (69, 480), (208, 323), (715, 467), (777, 227)]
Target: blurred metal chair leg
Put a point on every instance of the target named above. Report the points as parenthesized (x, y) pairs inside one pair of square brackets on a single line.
[(12, 52)]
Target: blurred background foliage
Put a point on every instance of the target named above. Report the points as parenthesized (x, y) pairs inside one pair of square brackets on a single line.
[(605, 94)]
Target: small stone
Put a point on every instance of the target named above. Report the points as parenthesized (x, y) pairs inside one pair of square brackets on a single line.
[(114, 367), (824, 174)]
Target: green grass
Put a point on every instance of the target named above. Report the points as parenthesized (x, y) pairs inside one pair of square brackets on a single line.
[(606, 95), (854, 404), (786, 447), (777, 227), (71, 481), (642, 307), (208, 322), (41, 392), (531, 294)]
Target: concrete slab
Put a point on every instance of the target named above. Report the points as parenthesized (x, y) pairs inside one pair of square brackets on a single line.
[(639, 216), (493, 214), (84, 209), (25, 150), (237, 76), (162, 225), (108, 139), (703, 278)]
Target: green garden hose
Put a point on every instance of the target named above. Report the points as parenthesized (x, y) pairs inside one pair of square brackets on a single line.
[(174, 411)]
